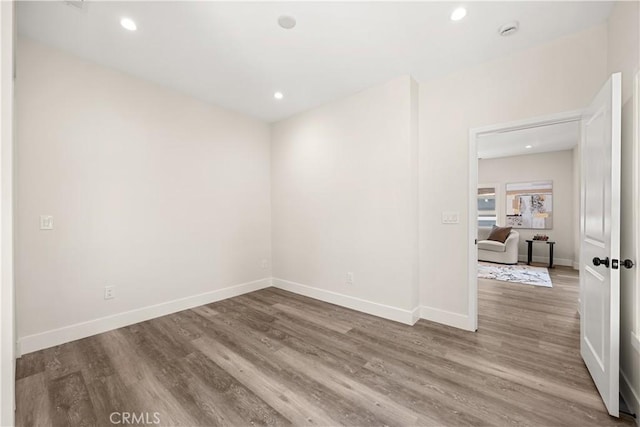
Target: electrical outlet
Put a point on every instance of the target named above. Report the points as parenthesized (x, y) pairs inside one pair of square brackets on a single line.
[(349, 278), (108, 292), (46, 222), (265, 264)]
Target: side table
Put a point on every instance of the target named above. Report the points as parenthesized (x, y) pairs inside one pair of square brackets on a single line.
[(530, 250)]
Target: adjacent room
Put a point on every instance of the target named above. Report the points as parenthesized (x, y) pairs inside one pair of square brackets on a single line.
[(528, 203), (319, 213)]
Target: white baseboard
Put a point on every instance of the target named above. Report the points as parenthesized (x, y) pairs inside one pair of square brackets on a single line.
[(445, 317), (630, 396), (415, 315), (545, 260), (408, 317), (35, 342)]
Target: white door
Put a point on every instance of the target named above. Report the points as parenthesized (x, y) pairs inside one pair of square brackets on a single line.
[(600, 241)]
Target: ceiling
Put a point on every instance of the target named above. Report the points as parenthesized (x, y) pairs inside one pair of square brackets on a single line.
[(233, 54), (541, 139)]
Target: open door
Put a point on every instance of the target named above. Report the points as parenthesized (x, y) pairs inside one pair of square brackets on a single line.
[(600, 241)]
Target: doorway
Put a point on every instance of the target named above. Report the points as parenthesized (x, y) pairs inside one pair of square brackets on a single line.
[(528, 284), (502, 141), (600, 263)]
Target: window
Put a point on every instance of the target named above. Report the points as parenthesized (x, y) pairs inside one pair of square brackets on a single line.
[(487, 215)]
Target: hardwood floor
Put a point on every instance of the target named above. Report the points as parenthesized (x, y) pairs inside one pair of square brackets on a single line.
[(275, 358)]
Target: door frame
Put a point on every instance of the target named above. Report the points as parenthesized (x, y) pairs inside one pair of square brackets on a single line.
[(474, 133), (7, 157), (635, 339)]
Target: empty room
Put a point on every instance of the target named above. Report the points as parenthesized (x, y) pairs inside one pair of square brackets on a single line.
[(319, 213)]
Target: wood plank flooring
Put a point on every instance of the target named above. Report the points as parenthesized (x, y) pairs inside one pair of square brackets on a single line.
[(275, 358)]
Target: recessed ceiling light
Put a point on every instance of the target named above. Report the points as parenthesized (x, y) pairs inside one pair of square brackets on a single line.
[(278, 95), (458, 14), (528, 146), (128, 24), (287, 22)]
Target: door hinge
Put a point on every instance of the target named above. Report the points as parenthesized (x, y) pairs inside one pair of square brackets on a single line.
[(614, 264)]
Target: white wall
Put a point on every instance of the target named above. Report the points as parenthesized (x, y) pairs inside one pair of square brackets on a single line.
[(623, 39), (562, 75), (7, 324), (555, 166), (344, 199), (152, 192), (624, 55)]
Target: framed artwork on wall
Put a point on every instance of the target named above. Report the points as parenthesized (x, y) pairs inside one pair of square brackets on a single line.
[(530, 205)]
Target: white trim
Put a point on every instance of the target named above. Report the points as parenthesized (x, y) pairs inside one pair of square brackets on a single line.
[(449, 318), (31, 343), (7, 153), (550, 119), (636, 195), (563, 117), (614, 302), (416, 315), (408, 317), (472, 252), (630, 396)]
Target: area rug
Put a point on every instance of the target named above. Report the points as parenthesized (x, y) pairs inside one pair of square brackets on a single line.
[(525, 274)]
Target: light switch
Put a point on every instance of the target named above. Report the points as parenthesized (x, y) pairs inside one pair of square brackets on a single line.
[(450, 217), (46, 222)]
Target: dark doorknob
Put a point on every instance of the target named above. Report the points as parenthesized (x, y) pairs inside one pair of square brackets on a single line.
[(597, 261), (627, 263)]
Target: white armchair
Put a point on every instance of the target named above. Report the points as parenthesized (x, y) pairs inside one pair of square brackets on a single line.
[(492, 251)]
